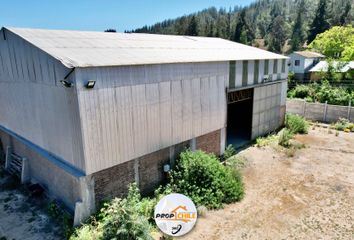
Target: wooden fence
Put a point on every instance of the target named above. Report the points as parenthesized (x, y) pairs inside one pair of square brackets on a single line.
[(321, 112)]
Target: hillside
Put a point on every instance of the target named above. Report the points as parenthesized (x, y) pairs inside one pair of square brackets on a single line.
[(277, 25)]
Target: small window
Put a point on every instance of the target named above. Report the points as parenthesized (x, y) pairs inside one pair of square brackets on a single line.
[(297, 62)]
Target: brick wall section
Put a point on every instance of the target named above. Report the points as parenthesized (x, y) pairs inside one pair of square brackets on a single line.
[(114, 181), (210, 142), (151, 170)]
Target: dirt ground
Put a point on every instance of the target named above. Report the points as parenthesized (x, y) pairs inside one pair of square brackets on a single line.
[(307, 196), (23, 216)]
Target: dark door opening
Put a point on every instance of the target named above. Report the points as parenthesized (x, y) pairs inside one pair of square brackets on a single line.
[(239, 117)]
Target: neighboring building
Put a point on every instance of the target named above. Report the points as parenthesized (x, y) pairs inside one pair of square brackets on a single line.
[(86, 113), (345, 69), (301, 62)]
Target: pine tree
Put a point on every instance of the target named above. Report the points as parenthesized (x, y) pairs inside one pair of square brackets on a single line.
[(319, 23), (243, 33), (192, 29), (277, 36), (345, 14), (298, 36)]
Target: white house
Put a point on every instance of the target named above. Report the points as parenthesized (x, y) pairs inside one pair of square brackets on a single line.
[(346, 69), (301, 62)]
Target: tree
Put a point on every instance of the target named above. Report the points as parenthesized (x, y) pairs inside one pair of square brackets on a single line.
[(345, 14), (110, 30), (319, 23), (277, 36), (243, 33), (192, 29), (298, 35), (337, 42)]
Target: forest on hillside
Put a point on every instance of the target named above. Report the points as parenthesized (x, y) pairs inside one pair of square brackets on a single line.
[(277, 25)]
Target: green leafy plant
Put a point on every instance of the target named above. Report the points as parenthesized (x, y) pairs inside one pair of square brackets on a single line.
[(57, 212), (125, 219), (236, 162), (337, 42), (207, 182), (54, 210), (322, 93), (265, 141), (229, 151), (284, 137), (199, 175), (343, 124), (296, 124)]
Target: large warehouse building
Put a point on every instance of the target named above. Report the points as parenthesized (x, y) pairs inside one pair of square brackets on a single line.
[(85, 113)]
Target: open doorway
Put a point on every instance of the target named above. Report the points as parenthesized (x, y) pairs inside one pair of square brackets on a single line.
[(239, 117)]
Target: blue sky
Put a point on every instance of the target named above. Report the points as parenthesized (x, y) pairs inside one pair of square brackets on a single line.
[(99, 15)]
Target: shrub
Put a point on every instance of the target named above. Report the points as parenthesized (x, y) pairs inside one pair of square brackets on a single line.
[(296, 124), (343, 124), (236, 162), (265, 141), (301, 91), (207, 182), (229, 151), (125, 219), (284, 137), (87, 232), (290, 152)]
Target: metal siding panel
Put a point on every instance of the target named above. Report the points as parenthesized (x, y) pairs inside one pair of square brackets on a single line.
[(239, 69), (244, 73), (270, 69), (177, 126), (205, 103), (266, 67), (197, 107), (153, 113), (187, 115), (232, 75), (6, 58), (250, 79), (213, 98), (256, 72), (165, 114), (161, 115), (45, 115)]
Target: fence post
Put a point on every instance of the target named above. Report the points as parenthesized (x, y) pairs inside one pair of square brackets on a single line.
[(325, 112), (349, 108)]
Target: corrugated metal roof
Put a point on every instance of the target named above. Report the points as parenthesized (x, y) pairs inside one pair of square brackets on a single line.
[(309, 54), (322, 66), (90, 49)]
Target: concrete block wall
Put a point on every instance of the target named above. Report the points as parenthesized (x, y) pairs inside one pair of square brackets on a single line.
[(58, 183), (319, 111)]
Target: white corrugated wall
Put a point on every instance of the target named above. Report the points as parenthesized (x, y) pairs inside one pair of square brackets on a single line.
[(166, 105), (34, 105)]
